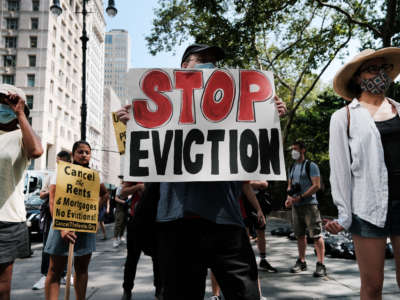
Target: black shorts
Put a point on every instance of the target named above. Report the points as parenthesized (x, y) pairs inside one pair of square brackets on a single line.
[(14, 241), (188, 247)]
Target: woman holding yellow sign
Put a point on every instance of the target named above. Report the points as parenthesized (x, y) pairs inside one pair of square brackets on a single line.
[(58, 241)]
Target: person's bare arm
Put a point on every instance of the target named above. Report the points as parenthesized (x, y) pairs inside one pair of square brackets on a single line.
[(44, 194), (119, 200), (249, 193), (259, 184), (316, 185), (104, 195), (129, 188), (32, 145), (52, 194)]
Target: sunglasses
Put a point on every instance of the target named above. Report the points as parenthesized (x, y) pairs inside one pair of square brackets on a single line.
[(375, 69)]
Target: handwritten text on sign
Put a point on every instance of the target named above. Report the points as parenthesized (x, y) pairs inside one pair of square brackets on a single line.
[(76, 199), (203, 125), (120, 132)]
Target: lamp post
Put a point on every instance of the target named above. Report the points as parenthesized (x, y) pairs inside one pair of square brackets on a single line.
[(111, 11)]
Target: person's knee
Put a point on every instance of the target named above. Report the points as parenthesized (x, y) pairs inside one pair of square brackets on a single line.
[(373, 286), (373, 290)]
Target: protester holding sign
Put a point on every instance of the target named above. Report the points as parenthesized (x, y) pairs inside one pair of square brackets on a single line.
[(205, 214), (58, 240), (364, 150), (18, 144)]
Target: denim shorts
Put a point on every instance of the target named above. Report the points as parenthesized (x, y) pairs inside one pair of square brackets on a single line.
[(366, 229), (84, 244)]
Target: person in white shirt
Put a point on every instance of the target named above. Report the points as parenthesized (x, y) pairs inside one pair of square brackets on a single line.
[(364, 149), (18, 145)]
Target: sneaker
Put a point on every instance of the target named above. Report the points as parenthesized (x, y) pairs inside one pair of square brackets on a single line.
[(215, 298), (127, 295), (264, 264), (299, 266), (64, 280), (320, 270), (263, 298), (122, 239), (116, 243), (40, 284)]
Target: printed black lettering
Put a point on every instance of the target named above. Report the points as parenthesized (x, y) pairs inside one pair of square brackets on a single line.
[(161, 159), (137, 154), (249, 162), (178, 151), (194, 136), (215, 136)]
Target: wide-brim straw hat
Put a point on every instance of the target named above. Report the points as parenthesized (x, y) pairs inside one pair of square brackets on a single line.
[(10, 89), (343, 76)]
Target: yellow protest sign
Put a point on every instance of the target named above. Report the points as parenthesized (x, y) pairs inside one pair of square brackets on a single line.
[(120, 133), (76, 203)]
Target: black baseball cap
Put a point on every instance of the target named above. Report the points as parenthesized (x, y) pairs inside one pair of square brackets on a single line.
[(216, 51)]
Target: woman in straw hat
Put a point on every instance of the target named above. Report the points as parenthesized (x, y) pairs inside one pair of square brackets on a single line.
[(18, 144), (364, 149)]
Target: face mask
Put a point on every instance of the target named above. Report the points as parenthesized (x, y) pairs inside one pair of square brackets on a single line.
[(6, 114), (205, 66), (295, 154), (376, 85)]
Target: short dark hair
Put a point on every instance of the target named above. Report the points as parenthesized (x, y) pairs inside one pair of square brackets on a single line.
[(64, 154), (300, 143)]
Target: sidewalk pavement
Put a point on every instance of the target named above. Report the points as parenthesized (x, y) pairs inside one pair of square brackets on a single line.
[(106, 274)]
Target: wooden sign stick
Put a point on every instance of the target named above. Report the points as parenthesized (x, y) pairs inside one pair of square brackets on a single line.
[(69, 269)]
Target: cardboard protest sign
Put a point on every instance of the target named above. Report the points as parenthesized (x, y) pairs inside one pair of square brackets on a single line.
[(76, 203), (202, 125), (120, 133)]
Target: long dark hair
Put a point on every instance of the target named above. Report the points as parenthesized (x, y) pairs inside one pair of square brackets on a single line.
[(75, 147)]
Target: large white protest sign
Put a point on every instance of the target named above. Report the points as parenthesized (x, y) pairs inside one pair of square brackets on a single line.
[(202, 125)]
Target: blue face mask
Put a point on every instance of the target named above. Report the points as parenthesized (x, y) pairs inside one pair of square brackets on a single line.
[(205, 66), (6, 114)]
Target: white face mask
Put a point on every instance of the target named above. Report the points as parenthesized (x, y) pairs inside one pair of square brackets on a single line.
[(295, 154)]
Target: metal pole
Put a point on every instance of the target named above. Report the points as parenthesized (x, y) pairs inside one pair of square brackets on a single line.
[(84, 40)]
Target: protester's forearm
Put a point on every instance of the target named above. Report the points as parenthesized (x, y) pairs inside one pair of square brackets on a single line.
[(311, 191), (247, 190), (44, 194), (52, 193), (129, 190), (32, 145)]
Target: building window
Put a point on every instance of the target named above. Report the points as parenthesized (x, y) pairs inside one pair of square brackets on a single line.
[(53, 50), (9, 60), (9, 79), (52, 87), (51, 106), (31, 80), (29, 101), (33, 41), (35, 5), (32, 60), (108, 39), (13, 5), (12, 23), (34, 23), (11, 42)]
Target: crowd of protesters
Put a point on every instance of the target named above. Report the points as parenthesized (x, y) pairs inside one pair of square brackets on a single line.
[(216, 218)]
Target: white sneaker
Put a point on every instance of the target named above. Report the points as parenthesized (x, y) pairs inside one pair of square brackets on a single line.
[(116, 243), (40, 284), (122, 239), (64, 280)]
